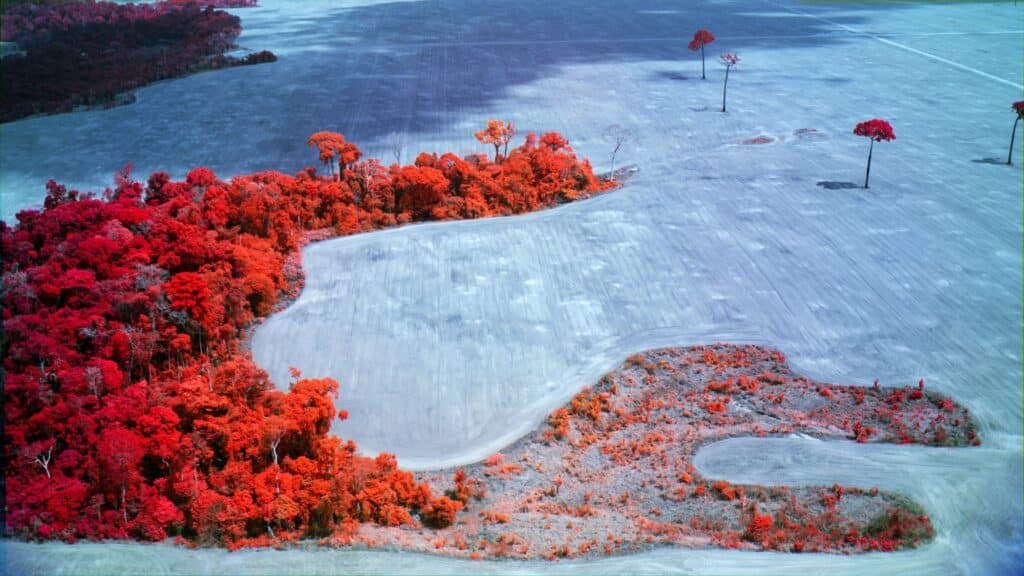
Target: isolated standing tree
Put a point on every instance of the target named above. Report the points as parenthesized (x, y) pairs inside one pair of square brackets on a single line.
[(617, 135), (1018, 107), (701, 38), (878, 130), (397, 141), (497, 134), (728, 60)]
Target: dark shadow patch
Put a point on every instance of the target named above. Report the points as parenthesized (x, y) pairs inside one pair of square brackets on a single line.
[(834, 185), (997, 161), (762, 139), (671, 75)]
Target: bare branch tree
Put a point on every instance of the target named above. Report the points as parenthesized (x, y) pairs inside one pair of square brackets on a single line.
[(728, 60), (274, 445), (396, 141), (617, 135), (44, 461)]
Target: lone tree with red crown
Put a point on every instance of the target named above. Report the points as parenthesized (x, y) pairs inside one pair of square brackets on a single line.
[(1018, 107), (701, 38), (878, 130), (497, 134), (332, 145)]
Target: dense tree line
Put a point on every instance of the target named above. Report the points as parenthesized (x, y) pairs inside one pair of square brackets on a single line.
[(132, 409)]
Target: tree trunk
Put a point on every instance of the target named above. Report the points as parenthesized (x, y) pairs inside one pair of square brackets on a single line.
[(1013, 136), (615, 153), (277, 469), (124, 507), (45, 462), (702, 77), (867, 174), (725, 86)]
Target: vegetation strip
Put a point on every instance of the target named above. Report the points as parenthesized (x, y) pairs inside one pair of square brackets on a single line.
[(133, 410)]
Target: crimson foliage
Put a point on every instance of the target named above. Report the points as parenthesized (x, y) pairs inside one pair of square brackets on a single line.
[(876, 129), (701, 38), (132, 409)]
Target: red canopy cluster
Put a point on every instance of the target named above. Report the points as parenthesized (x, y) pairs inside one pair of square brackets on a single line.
[(132, 409), (701, 38), (876, 129)]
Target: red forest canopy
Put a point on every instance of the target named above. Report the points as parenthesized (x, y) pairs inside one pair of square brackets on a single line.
[(132, 409)]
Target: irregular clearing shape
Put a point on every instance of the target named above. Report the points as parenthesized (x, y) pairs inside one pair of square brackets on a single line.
[(612, 472)]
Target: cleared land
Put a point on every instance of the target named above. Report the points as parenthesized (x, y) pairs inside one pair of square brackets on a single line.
[(712, 240)]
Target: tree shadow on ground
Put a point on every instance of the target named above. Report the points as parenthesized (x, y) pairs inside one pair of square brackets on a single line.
[(672, 76), (835, 185)]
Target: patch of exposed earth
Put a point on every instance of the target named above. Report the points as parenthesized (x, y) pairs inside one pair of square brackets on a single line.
[(611, 472)]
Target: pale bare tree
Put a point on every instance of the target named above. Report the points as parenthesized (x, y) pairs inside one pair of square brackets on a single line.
[(44, 460), (617, 135), (396, 141)]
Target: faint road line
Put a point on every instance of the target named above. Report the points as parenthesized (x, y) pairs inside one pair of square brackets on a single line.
[(903, 46), (662, 39)]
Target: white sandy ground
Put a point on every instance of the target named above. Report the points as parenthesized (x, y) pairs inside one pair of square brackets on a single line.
[(450, 340)]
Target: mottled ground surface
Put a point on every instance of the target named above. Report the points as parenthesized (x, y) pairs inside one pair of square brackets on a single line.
[(612, 471)]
